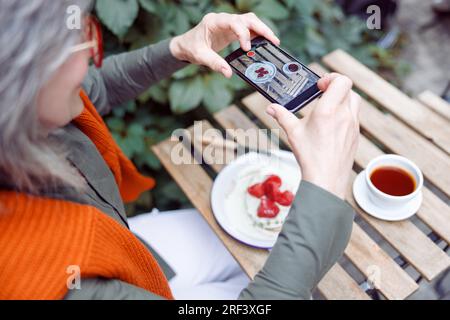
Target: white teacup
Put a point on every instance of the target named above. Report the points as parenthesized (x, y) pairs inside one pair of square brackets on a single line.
[(387, 201)]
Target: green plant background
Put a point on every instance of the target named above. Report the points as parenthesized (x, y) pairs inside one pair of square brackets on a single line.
[(308, 29)]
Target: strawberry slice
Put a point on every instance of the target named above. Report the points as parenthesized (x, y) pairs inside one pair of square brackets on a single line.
[(271, 190), (272, 186), (256, 190), (285, 198), (267, 208), (274, 179)]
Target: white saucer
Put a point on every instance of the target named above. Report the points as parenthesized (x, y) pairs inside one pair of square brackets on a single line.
[(360, 192)]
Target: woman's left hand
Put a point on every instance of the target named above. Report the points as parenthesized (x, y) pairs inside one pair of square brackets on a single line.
[(216, 31)]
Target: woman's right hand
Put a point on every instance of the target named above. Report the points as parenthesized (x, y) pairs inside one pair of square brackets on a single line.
[(325, 141)]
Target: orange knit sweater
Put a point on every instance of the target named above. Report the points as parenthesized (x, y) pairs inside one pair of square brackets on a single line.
[(130, 182), (44, 240)]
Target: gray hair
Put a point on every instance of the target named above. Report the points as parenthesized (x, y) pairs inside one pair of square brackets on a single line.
[(34, 42)]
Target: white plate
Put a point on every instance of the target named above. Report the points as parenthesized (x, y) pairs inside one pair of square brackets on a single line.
[(360, 192), (223, 185)]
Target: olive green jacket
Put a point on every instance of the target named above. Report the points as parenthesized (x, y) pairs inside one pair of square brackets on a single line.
[(312, 239)]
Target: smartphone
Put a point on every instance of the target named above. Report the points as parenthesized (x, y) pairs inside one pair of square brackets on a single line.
[(277, 75)]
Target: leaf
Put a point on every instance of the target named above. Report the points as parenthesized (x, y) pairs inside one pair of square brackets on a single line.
[(185, 94), (225, 7), (270, 24), (130, 106), (352, 30), (271, 9), (139, 40), (172, 191), (245, 5), (188, 71), (117, 15), (155, 92), (290, 3), (181, 22), (216, 95), (316, 43), (237, 83), (125, 146), (136, 130), (116, 124), (134, 142), (149, 5), (305, 7), (151, 160), (119, 111)]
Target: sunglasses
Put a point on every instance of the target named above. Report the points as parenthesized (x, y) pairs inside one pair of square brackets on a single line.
[(94, 41)]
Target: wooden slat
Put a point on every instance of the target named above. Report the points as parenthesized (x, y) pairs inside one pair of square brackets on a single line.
[(434, 212), (422, 119), (435, 103), (196, 184), (366, 255), (338, 285), (362, 250), (334, 275), (214, 157), (404, 236), (233, 118)]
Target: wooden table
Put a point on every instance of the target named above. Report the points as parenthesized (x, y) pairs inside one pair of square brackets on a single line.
[(391, 122)]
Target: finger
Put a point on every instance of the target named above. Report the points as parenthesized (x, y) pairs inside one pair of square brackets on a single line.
[(326, 79), (285, 119), (214, 61), (324, 82), (355, 105), (260, 28), (338, 89), (346, 103), (242, 33)]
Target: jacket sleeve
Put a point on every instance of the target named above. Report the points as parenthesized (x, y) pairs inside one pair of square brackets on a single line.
[(109, 289), (124, 76), (312, 239)]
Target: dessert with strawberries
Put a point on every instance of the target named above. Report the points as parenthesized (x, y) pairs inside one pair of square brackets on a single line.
[(272, 199), (261, 197)]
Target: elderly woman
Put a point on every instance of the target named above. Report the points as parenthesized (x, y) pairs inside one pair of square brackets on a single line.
[(63, 179)]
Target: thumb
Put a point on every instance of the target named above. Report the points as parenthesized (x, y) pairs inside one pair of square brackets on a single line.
[(215, 62), (286, 119)]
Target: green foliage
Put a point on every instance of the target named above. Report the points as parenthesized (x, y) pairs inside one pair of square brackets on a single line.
[(186, 94), (117, 15), (308, 29)]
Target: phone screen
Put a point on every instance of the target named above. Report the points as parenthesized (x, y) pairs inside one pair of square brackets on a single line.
[(276, 74)]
